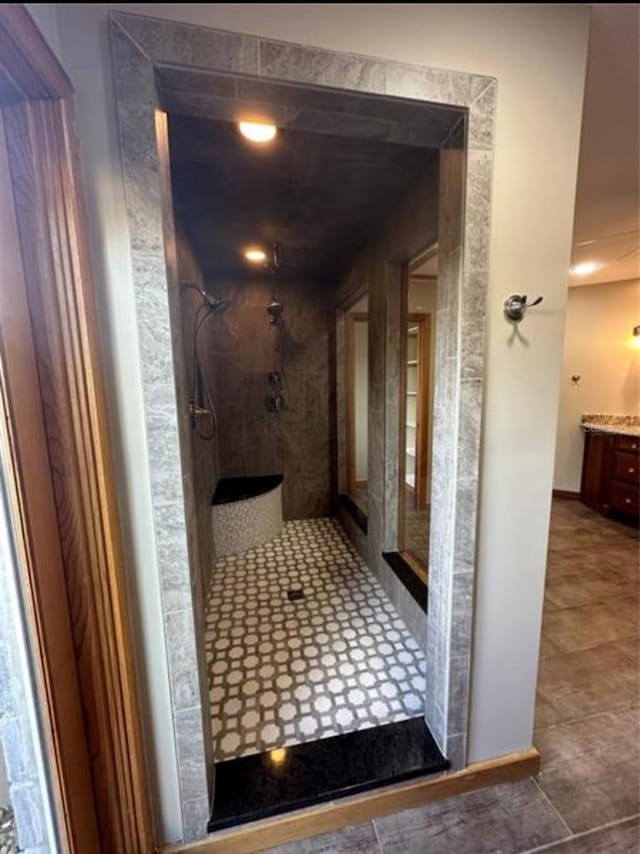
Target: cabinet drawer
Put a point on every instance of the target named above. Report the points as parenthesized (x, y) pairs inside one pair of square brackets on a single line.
[(630, 444), (626, 467), (624, 498)]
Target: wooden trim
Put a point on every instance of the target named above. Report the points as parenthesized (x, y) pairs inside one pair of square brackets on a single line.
[(416, 565), (61, 298), (566, 493), (349, 406), (31, 497), (350, 319), (402, 413), (422, 406), (28, 68), (424, 277), (420, 259), (316, 820)]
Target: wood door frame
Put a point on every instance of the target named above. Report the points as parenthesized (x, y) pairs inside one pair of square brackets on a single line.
[(422, 404), (54, 391), (34, 516), (350, 319), (423, 321), (422, 407)]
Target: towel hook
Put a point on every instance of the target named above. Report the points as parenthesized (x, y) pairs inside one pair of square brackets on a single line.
[(516, 305)]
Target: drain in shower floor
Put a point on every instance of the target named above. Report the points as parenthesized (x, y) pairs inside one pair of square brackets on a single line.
[(295, 594)]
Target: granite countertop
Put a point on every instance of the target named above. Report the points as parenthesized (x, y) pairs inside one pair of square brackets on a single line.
[(627, 425)]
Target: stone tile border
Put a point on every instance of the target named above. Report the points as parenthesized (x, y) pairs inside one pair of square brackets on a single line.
[(139, 46)]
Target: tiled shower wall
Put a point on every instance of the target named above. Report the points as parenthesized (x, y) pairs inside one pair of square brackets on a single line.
[(238, 349), (201, 470)]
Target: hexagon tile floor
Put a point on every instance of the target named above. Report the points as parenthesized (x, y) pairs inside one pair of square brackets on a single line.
[(282, 672)]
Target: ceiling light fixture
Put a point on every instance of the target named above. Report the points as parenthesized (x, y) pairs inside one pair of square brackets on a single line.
[(258, 132), (584, 268), (255, 256)]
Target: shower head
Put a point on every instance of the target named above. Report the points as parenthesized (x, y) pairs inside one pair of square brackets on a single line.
[(215, 305), (274, 310)]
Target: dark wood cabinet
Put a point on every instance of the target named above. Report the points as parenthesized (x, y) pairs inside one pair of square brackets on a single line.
[(611, 475)]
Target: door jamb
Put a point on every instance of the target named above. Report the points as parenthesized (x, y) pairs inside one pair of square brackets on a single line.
[(59, 289)]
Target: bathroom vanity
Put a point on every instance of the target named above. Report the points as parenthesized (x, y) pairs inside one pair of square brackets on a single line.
[(611, 466)]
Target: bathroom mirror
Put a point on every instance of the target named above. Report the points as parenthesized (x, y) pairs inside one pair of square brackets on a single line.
[(356, 402), (416, 407)]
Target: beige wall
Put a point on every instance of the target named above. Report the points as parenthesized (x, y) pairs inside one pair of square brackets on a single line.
[(599, 347), (537, 53)]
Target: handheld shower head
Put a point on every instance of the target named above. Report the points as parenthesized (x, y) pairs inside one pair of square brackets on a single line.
[(215, 305)]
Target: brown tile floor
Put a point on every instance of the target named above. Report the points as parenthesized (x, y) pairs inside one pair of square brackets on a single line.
[(587, 797)]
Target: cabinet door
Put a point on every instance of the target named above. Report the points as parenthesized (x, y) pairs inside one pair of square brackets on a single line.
[(597, 450)]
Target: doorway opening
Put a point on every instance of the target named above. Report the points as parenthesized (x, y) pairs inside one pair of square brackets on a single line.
[(302, 642), (372, 114)]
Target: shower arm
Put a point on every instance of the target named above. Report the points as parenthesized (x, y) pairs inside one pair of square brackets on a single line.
[(190, 286), (214, 304)]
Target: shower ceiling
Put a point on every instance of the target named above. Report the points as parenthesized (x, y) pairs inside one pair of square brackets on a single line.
[(337, 168), (318, 197)]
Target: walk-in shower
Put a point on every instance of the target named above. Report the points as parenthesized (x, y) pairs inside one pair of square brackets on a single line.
[(303, 641), (353, 185)]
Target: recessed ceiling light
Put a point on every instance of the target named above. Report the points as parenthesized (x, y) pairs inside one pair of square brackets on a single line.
[(584, 268), (259, 132), (255, 256)]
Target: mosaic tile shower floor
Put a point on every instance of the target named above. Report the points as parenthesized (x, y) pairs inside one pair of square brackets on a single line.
[(283, 672)]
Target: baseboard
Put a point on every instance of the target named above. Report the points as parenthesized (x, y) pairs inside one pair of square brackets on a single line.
[(566, 493), (312, 821)]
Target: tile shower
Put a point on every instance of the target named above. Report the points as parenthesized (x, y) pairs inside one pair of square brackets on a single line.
[(303, 641), (207, 74)]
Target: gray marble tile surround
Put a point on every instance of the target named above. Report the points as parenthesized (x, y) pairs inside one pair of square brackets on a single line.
[(139, 44)]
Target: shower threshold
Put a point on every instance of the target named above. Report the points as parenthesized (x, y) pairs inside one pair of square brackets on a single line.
[(277, 781)]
